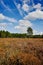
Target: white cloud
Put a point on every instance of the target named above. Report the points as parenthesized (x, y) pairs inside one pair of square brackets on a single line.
[(23, 25), (38, 6), (35, 32), (10, 19), (21, 29), (17, 27), (2, 17), (3, 26), (25, 7), (38, 14), (41, 33), (26, 22)]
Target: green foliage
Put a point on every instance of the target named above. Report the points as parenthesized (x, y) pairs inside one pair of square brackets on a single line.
[(6, 34), (37, 36), (2, 34), (29, 31)]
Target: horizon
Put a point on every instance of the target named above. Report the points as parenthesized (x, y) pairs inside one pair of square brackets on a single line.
[(17, 15), (18, 33)]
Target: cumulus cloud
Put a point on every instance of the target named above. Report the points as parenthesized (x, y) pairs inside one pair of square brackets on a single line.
[(38, 6), (35, 32), (28, 8), (38, 14), (3, 25), (25, 7), (41, 33), (26, 22), (23, 25), (21, 29), (2, 17)]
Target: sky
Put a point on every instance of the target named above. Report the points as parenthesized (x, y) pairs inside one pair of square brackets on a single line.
[(17, 15)]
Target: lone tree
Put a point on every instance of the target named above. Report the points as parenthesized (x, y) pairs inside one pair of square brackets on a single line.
[(29, 31)]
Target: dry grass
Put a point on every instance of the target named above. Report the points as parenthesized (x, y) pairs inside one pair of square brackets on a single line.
[(28, 50)]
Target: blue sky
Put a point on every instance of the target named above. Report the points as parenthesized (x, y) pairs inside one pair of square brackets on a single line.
[(17, 15)]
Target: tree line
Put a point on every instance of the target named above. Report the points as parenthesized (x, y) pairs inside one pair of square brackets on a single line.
[(29, 34)]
